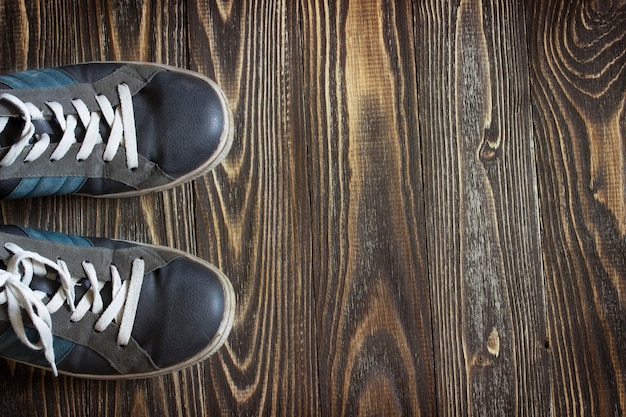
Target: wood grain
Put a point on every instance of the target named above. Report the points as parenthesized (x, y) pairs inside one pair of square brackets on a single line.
[(373, 310), (482, 209), (253, 212), (423, 213), (578, 71)]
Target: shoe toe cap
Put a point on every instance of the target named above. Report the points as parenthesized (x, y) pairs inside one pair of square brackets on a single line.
[(182, 119), (181, 308)]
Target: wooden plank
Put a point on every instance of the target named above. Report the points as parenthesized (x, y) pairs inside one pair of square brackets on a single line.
[(577, 54), (369, 253), (47, 33), (253, 212), (481, 202)]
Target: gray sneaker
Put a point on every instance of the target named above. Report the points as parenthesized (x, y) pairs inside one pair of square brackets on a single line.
[(107, 309), (108, 129)]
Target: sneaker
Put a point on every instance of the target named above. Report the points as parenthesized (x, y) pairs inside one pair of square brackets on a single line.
[(107, 309), (108, 129)]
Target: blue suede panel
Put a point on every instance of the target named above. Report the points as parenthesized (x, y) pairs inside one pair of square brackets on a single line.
[(41, 187), (41, 78), (57, 237), (11, 347)]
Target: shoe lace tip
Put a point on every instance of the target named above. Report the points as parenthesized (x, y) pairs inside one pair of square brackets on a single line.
[(53, 365)]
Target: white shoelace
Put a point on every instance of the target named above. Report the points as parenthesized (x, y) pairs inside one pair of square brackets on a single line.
[(121, 121), (15, 291)]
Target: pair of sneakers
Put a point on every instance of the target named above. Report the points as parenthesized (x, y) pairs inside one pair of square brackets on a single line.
[(97, 307)]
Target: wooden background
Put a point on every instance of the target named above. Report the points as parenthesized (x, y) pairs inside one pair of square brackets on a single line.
[(423, 213)]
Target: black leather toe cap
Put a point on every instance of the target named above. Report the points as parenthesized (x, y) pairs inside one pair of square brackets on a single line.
[(180, 310), (180, 120)]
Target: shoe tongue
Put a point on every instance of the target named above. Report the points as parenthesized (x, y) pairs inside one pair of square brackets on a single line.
[(46, 126), (50, 287), (13, 130), (44, 285)]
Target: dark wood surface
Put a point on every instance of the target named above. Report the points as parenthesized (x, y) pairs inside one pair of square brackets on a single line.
[(423, 212)]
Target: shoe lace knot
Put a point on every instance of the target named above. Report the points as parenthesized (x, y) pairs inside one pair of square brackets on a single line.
[(120, 120), (21, 299)]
